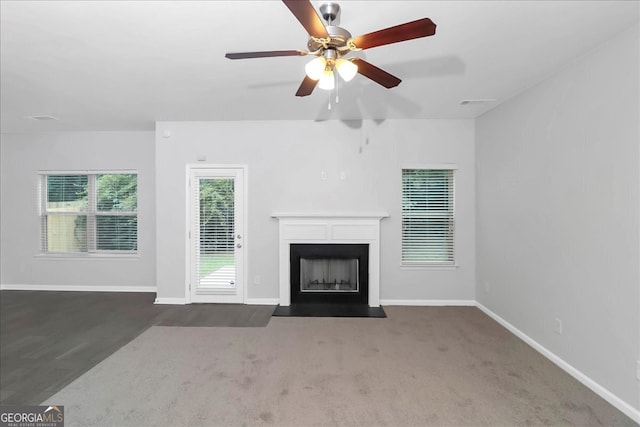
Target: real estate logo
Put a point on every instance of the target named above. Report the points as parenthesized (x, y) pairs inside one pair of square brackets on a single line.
[(32, 416)]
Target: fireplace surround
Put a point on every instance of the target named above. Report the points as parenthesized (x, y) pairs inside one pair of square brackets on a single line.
[(332, 231)]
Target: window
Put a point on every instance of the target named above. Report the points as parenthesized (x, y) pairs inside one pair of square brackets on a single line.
[(427, 217), (89, 213)]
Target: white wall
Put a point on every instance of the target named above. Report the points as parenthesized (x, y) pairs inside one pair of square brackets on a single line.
[(557, 189), (284, 160), (22, 157)]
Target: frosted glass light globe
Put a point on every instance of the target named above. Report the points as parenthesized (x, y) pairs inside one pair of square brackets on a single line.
[(346, 69), (315, 68), (327, 81)]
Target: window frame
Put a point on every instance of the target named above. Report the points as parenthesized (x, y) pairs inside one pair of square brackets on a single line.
[(425, 264), (91, 213)]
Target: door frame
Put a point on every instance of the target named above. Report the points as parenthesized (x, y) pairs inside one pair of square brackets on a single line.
[(187, 238)]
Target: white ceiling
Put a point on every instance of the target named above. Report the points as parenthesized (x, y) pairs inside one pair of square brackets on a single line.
[(122, 65)]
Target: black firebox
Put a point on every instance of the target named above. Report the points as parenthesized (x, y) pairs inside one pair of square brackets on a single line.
[(329, 273)]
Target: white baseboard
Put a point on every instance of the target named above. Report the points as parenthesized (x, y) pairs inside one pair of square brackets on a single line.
[(249, 301), (70, 288), (262, 301), (171, 301), (614, 400), (429, 302)]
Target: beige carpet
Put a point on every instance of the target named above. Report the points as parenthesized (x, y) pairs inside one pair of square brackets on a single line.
[(448, 366)]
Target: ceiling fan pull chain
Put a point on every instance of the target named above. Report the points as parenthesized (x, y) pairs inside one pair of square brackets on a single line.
[(337, 88)]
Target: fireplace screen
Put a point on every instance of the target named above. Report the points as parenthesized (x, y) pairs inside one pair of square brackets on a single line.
[(329, 275)]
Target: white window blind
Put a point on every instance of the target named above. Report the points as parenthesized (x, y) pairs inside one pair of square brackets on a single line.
[(89, 213), (428, 216), (215, 259)]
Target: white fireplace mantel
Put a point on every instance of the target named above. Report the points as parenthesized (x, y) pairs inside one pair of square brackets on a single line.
[(331, 215), (323, 227)]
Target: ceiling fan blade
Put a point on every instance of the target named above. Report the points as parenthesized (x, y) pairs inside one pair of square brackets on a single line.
[(308, 17), (411, 30), (307, 86), (376, 74), (265, 54)]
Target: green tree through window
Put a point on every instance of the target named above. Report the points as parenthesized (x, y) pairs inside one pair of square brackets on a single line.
[(216, 215), (116, 193)]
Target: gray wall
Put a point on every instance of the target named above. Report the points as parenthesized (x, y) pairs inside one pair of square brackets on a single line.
[(23, 156), (284, 160), (557, 189)]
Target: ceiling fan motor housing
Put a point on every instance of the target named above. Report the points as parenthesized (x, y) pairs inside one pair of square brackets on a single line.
[(337, 39)]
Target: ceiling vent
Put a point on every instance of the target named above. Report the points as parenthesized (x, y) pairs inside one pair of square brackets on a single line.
[(475, 101), (42, 118)]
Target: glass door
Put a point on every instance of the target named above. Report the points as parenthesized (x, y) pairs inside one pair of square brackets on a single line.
[(216, 235)]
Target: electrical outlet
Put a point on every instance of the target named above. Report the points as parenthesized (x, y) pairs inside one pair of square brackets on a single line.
[(487, 288), (323, 175), (638, 371), (557, 327), (256, 279)]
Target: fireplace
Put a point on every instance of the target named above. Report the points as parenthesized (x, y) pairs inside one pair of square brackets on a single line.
[(333, 237), (329, 273)]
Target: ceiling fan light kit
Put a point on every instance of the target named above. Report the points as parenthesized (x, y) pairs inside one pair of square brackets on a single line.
[(322, 68), (329, 43)]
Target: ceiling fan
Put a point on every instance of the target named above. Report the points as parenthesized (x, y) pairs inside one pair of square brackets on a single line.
[(330, 44)]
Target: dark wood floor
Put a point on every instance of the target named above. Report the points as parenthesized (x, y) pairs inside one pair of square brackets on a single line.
[(48, 339)]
